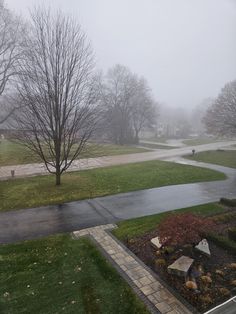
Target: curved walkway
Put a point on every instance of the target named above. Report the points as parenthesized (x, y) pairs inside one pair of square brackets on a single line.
[(35, 222), (144, 282), (83, 164)]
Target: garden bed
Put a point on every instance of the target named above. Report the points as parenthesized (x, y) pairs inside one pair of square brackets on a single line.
[(219, 267)]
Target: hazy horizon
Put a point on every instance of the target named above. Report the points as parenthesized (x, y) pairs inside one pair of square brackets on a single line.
[(185, 48)]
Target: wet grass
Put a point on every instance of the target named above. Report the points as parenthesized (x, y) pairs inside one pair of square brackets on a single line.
[(224, 158), (131, 228), (61, 275), (12, 153), (41, 190), (200, 141), (157, 146)]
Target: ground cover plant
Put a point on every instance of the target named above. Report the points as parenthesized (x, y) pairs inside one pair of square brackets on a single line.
[(220, 157), (61, 275), (210, 280), (40, 190)]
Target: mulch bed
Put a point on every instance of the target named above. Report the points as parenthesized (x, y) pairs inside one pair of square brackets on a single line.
[(207, 295)]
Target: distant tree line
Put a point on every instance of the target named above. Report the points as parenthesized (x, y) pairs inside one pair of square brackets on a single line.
[(50, 89)]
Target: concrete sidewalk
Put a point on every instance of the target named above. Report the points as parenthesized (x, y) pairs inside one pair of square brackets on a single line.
[(83, 164)]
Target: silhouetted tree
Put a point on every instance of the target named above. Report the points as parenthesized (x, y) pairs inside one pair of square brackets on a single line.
[(128, 105), (56, 90), (11, 37), (220, 118)]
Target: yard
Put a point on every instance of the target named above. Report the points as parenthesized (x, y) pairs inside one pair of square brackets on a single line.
[(200, 141), (61, 275), (41, 190), (156, 146), (225, 158), (213, 279), (12, 153)]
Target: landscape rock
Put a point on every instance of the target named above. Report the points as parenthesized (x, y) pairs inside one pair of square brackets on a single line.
[(156, 242), (181, 266), (203, 246)]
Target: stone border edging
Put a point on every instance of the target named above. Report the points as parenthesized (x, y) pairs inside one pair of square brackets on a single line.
[(155, 275), (123, 274), (156, 296)]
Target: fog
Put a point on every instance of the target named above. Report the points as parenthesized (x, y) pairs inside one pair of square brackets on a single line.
[(185, 49)]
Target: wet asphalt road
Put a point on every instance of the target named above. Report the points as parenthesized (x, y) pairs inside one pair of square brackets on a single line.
[(37, 222)]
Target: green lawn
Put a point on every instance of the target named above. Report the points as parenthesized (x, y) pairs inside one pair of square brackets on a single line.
[(61, 275), (157, 146), (223, 158), (136, 227), (200, 141), (12, 153), (155, 139), (41, 190)]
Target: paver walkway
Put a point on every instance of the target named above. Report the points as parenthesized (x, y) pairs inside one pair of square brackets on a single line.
[(82, 164), (144, 282)]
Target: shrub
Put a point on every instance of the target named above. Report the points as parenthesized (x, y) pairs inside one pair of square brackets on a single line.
[(228, 202), (233, 282), (225, 217), (206, 279), (191, 285), (160, 262), (206, 299), (169, 249), (223, 242), (186, 228), (232, 234), (219, 272), (232, 266), (224, 291)]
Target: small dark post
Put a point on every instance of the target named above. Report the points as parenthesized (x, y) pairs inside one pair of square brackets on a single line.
[(193, 152), (12, 173)]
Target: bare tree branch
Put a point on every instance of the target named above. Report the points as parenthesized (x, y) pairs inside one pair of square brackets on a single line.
[(220, 118), (11, 37), (56, 88)]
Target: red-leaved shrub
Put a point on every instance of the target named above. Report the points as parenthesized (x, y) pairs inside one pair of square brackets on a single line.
[(181, 229)]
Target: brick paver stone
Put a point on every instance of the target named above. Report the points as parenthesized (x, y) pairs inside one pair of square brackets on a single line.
[(153, 290)]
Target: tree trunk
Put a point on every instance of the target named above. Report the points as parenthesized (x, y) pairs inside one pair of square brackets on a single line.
[(58, 178), (136, 137), (58, 175)]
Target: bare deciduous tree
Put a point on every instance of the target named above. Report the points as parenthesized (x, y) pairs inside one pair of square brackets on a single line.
[(10, 50), (118, 89), (128, 105), (144, 109), (55, 87), (220, 118)]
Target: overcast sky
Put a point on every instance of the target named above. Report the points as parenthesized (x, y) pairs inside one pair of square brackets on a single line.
[(186, 49)]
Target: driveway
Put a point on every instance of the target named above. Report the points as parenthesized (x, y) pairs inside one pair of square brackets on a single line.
[(36, 222), (82, 164)]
